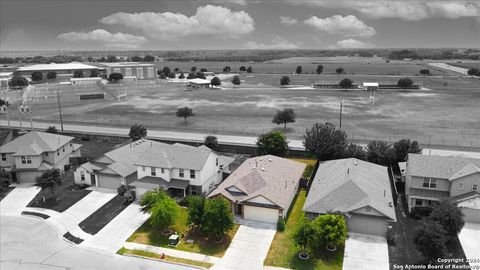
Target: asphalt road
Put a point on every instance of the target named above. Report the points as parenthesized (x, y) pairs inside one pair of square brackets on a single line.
[(29, 243)]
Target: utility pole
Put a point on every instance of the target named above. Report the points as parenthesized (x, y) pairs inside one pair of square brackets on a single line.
[(59, 109), (341, 108)]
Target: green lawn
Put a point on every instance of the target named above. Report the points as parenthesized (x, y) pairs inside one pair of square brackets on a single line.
[(283, 251), (152, 255), (150, 236)]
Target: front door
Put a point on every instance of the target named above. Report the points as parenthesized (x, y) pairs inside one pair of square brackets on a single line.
[(14, 177), (93, 180), (239, 209)]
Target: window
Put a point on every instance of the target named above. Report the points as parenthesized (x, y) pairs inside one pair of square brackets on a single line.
[(140, 72), (45, 154), (29, 160), (162, 170), (63, 149), (58, 153), (418, 202), (460, 185), (24, 159), (181, 173), (430, 182), (82, 176), (128, 71), (475, 187), (192, 174), (150, 72), (153, 172), (216, 161), (4, 157)]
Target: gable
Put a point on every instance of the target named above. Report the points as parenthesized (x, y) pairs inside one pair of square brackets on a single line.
[(234, 189), (261, 200), (367, 210)]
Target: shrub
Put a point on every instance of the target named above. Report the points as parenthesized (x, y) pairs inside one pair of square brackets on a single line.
[(281, 224)]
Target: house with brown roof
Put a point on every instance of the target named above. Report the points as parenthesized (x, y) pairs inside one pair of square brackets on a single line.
[(28, 156), (262, 188), (428, 179), (357, 189)]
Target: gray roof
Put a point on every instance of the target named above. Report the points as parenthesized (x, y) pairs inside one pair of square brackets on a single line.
[(162, 183), (441, 166), (272, 177), (346, 185), (35, 143)]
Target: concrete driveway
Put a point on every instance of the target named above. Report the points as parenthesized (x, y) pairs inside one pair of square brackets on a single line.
[(249, 247), (16, 201), (469, 237), (365, 252), (30, 243), (114, 234)]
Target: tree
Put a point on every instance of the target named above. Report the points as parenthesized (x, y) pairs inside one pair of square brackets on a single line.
[(203, 70), (319, 69), (18, 81), (425, 71), (331, 230), (236, 80), (380, 152), (78, 74), (285, 80), (115, 77), (148, 58), (200, 75), (304, 236), (3, 103), (162, 75), (181, 76), (272, 143), (227, 69), (4, 180), (249, 70), (195, 207), (243, 68), (346, 84), (449, 216), (51, 75), (325, 141), (137, 132), (136, 58), (37, 76), (176, 70), (171, 75), (298, 70), (49, 180), (430, 239), (166, 70), (193, 69), (405, 83), (184, 113), (215, 81), (339, 70), (112, 58), (149, 199), (211, 142), (191, 76), (94, 73), (163, 213), (217, 217), (473, 72), (284, 116), (355, 151), (403, 147), (52, 129)]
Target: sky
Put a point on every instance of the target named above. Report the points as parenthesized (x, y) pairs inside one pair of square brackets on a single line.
[(237, 24)]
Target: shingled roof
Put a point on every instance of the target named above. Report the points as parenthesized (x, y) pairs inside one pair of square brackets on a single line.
[(35, 143), (346, 185), (441, 166)]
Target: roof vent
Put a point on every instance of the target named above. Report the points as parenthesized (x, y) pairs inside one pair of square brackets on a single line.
[(355, 162), (348, 171), (270, 160), (263, 169)]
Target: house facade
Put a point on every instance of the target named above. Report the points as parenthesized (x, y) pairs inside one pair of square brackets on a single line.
[(142, 71), (429, 179), (28, 156)]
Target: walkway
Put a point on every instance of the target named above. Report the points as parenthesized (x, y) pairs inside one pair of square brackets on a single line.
[(16, 201), (365, 252), (469, 237), (172, 252)]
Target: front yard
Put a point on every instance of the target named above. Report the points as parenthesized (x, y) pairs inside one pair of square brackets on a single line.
[(283, 251), (147, 235)]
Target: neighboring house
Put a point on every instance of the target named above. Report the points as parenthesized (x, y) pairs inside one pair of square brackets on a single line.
[(358, 189), (180, 169), (262, 188), (28, 156), (199, 83), (142, 71), (428, 179)]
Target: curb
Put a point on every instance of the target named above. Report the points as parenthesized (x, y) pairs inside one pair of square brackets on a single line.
[(164, 261)]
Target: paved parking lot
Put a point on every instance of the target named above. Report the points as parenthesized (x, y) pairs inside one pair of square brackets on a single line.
[(365, 252)]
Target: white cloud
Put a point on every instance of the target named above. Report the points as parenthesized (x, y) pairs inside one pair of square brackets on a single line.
[(412, 10), (117, 40), (352, 44), (277, 43), (348, 26), (209, 20), (287, 20)]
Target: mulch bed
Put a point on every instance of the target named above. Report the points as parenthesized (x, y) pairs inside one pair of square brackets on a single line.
[(40, 215), (98, 219)]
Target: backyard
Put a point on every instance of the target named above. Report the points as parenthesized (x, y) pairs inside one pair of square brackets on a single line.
[(284, 253)]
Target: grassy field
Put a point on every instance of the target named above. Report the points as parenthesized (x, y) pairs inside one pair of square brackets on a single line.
[(156, 256)]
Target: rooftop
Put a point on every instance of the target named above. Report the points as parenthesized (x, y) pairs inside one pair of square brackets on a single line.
[(199, 81), (54, 66), (128, 64), (35, 143), (444, 167)]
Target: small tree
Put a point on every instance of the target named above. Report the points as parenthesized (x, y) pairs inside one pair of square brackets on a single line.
[(181, 76), (339, 70), (18, 81), (111, 59), (3, 103), (94, 73), (331, 230), (285, 80), (236, 80), (325, 141), (217, 218), (215, 81), (346, 84), (243, 68), (51, 75), (52, 129), (298, 70), (196, 205), (284, 116), (403, 147), (136, 58), (193, 69), (473, 72), (227, 69), (272, 143), (176, 70), (184, 113), (211, 142), (425, 71), (430, 239), (115, 77), (405, 83), (304, 236), (78, 74), (49, 180), (149, 199), (319, 69), (137, 132), (171, 75), (355, 151), (148, 58), (200, 75), (37, 76), (203, 70), (163, 213), (447, 214), (191, 76), (380, 152), (166, 70), (249, 70)]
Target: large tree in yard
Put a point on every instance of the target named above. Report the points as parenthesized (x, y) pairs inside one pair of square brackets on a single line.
[(325, 141), (447, 214), (304, 237), (331, 230), (37, 76), (215, 81), (211, 142), (346, 84), (18, 81), (285, 116), (184, 113), (195, 206), (380, 152), (49, 179), (163, 213), (285, 80), (137, 132), (405, 83), (403, 147), (355, 151), (217, 218), (149, 198), (430, 239), (272, 143), (236, 80)]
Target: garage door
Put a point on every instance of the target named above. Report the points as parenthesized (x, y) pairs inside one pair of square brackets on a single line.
[(261, 214), (367, 225), (109, 182)]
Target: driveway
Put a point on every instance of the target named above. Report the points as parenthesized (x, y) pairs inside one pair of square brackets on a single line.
[(30, 243), (249, 247), (469, 239), (15, 202), (115, 233), (365, 252)]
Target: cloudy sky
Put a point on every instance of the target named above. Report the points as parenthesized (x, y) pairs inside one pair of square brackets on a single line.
[(237, 24)]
